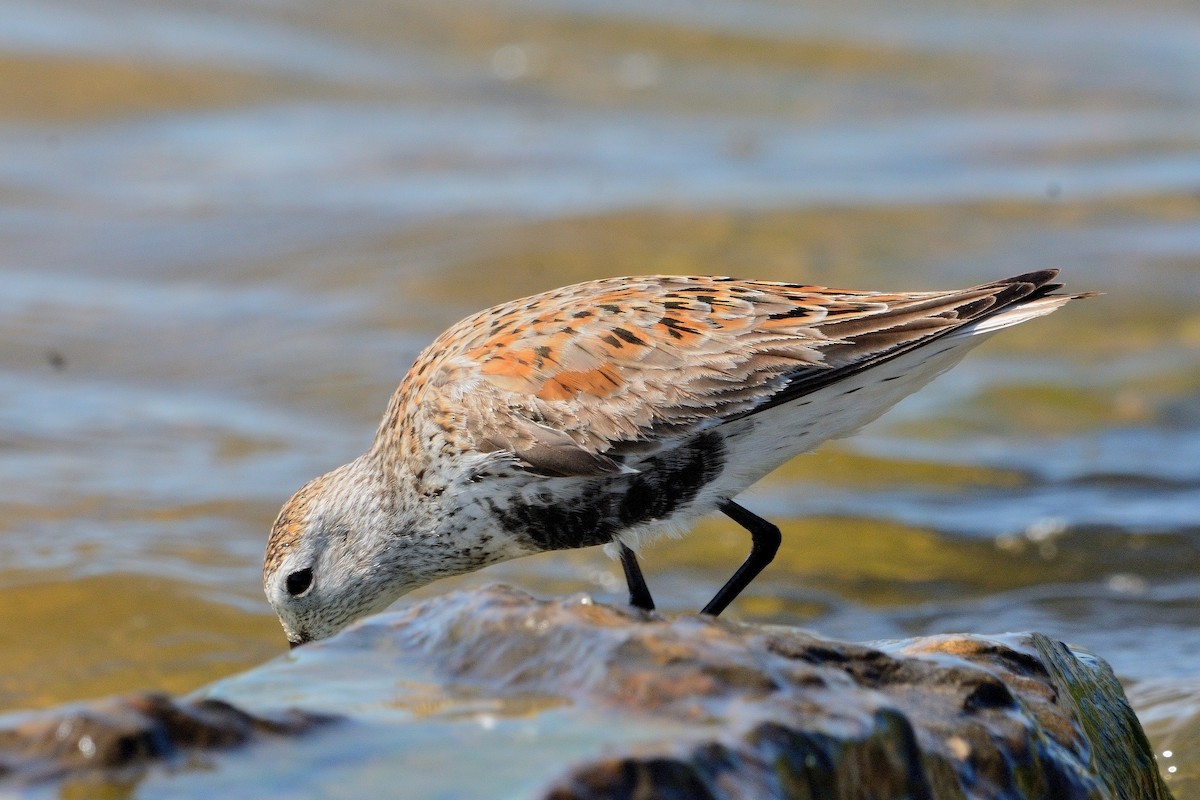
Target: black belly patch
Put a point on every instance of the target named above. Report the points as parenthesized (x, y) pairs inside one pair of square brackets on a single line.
[(605, 506)]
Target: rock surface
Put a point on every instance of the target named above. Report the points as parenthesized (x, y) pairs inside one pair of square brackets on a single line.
[(125, 734), (493, 693)]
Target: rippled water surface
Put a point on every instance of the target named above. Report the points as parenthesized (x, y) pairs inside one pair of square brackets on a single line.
[(226, 229)]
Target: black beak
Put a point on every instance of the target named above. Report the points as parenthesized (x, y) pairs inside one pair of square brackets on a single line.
[(294, 643)]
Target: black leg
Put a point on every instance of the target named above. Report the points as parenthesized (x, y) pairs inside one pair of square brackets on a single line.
[(764, 538), (639, 593)]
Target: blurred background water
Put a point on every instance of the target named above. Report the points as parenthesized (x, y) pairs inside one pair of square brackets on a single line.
[(226, 229)]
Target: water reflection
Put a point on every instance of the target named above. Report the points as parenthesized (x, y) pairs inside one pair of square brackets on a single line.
[(227, 228)]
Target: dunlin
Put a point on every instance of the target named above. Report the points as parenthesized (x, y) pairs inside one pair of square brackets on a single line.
[(603, 412)]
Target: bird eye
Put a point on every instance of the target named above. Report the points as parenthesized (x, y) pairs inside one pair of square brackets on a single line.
[(298, 582)]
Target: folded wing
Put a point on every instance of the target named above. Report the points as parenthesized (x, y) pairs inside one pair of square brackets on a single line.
[(588, 379)]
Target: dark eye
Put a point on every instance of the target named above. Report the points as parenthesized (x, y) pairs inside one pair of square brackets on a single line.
[(299, 581)]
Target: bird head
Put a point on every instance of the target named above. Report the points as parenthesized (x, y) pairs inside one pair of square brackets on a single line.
[(337, 552)]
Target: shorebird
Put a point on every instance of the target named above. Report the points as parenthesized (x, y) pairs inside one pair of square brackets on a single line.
[(603, 413)]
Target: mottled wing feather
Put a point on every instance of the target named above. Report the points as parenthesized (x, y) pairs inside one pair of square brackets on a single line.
[(907, 325), (543, 449), (571, 381)]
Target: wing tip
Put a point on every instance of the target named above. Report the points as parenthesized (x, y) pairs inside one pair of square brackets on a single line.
[(1030, 286)]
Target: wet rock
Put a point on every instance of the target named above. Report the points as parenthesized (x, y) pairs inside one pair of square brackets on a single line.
[(938, 717), (124, 734), (493, 693)]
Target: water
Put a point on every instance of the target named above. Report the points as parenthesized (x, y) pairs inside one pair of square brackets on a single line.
[(226, 228)]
